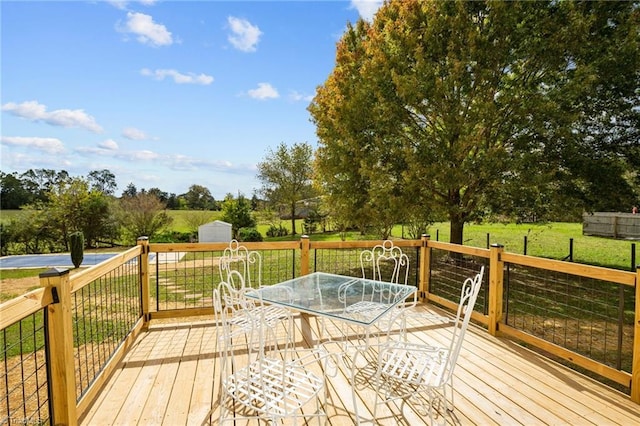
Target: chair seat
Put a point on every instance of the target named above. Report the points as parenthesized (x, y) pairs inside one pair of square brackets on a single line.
[(366, 306), (414, 363), (270, 314), (261, 386)]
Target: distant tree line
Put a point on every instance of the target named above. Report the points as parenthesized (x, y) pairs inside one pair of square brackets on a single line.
[(56, 205), (34, 185)]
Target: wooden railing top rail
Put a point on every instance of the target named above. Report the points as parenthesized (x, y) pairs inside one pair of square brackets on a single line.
[(89, 275), (187, 247), (275, 245), (16, 309), (360, 244), (588, 271), (457, 248)]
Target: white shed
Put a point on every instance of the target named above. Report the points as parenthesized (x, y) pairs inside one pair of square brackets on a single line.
[(214, 232)]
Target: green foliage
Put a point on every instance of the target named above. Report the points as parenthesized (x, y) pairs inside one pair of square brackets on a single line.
[(13, 193), (475, 108), (199, 198), (103, 181), (76, 240), (172, 237), (277, 231), (237, 212), (249, 235)]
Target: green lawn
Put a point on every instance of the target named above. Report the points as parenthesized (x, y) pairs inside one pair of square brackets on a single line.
[(545, 240)]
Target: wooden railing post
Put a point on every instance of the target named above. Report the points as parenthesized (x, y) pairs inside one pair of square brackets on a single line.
[(425, 266), (305, 245), (635, 366), (144, 279), (496, 276), (62, 379)]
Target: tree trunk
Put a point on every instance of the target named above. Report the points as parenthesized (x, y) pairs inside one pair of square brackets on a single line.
[(293, 219), (456, 229)]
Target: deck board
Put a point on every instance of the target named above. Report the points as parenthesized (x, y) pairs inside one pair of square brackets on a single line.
[(169, 378)]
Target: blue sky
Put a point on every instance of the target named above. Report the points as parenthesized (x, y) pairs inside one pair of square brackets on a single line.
[(164, 94)]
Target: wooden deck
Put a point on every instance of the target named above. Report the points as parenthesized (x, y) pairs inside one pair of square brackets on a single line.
[(168, 378)]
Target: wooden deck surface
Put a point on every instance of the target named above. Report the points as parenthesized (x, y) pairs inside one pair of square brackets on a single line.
[(168, 378)]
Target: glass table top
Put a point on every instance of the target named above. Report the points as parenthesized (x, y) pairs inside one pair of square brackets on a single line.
[(357, 300)]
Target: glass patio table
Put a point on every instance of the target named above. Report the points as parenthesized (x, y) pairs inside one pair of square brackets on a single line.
[(336, 297)]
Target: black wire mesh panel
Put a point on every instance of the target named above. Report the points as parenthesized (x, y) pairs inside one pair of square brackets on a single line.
[(24, 393), (448, 272), (104, 313), (591, 317)]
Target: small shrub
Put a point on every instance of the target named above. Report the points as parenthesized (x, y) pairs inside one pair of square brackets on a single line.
[(76, 240), (249, 235)]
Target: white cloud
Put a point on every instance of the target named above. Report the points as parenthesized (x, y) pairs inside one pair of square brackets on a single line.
[(366, 8), (179, 78), (35, 111), (109, 144), (123, 4), (134, 134), (296, 96), (148, 32), (264, 91), (118, 4), (245, 36), (144, 155), (48, 145)]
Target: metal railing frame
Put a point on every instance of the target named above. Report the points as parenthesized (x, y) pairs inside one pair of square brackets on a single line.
[(58, 287)]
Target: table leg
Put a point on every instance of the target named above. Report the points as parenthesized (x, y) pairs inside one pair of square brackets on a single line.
[(305, 326)]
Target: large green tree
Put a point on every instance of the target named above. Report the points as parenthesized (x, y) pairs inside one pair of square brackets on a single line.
[(468, 106), (199, 198), (142, 215), (73, 207), (13, 193), (286, 176)]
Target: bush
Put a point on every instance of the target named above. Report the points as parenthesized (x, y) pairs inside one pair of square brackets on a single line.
[(277, 231), (173, 237), (249, 235)]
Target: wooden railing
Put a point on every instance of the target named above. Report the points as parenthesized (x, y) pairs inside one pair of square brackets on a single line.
[(437, 272)]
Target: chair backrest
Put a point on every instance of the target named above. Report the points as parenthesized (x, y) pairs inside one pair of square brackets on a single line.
[(468, 296), (236, 257), (386, 262), (231, 294)]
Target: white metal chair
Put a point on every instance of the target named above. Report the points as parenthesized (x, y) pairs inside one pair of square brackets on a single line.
[(266, 378), (384, 262), (242, 269), (407, 371)]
